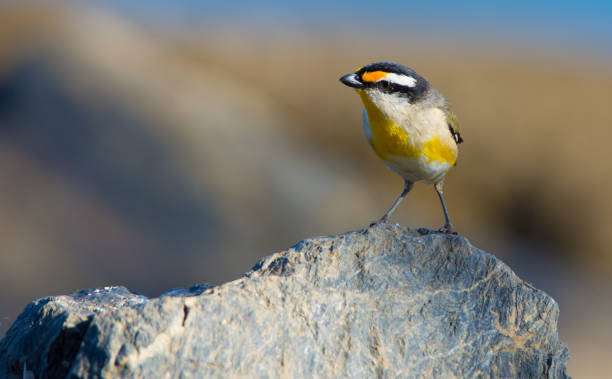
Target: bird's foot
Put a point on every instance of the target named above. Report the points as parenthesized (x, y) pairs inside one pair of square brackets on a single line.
[(448, 229), (382, 220)]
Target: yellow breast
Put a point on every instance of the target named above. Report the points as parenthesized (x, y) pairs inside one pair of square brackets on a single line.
[(390, 140)]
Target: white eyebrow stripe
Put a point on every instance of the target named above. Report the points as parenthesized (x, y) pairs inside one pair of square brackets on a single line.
[(403, 80)]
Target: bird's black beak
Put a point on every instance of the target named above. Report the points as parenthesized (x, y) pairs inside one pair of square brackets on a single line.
[(352, 80)]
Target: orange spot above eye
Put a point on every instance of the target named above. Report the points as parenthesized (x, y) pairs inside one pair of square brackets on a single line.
[(373, 76)]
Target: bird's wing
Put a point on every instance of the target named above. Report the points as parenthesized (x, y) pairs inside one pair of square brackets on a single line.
[(453, 126)]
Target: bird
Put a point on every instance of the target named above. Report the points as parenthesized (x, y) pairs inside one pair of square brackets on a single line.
[(410, 125)]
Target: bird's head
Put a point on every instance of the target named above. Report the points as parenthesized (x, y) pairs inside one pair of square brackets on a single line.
[(390, 85)]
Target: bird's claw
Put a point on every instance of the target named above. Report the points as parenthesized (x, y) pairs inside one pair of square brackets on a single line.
[(382, 220), (448, 229)]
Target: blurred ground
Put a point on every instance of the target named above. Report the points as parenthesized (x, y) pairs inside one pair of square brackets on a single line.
[(155, 158)]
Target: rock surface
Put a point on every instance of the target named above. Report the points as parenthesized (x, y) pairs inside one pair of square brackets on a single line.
[(388, 302)]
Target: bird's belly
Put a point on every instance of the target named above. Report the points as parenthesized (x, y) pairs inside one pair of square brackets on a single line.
[(416, 169), (418, 156)]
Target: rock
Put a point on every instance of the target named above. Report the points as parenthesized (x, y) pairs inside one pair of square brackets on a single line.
[(388, 302)]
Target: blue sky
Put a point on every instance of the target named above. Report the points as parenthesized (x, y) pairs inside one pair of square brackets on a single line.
[(558, 24)]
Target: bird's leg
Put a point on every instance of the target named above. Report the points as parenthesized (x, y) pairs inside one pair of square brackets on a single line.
[(385, 217), (448, 227)]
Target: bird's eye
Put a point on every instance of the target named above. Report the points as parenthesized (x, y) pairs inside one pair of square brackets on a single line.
[(385, 85)]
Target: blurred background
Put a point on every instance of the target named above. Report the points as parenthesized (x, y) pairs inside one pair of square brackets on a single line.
[(158, 144)]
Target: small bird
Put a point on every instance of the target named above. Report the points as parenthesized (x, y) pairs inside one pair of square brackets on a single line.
[(409, 124)]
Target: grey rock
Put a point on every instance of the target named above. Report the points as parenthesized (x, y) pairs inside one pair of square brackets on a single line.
[(388, 302)]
